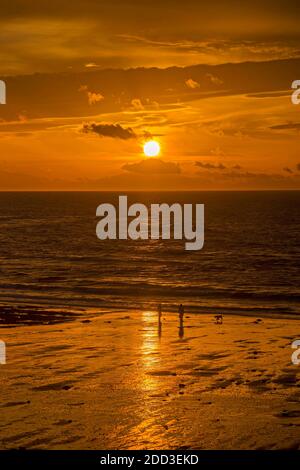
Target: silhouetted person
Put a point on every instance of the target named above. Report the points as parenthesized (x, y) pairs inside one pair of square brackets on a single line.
[(159, 311), (181, 326), (181, 311)]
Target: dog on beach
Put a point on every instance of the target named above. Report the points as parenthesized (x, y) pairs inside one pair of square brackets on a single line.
[(219, 319)]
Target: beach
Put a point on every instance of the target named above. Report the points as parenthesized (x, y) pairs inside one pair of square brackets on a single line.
[(149, 233), (115, 379)]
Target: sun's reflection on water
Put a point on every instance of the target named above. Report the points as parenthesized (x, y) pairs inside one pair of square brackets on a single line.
[(150, 349)]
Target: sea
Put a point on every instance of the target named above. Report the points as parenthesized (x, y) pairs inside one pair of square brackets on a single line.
[(250, 263)]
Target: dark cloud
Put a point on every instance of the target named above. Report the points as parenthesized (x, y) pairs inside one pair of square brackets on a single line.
[(204, 180), (30, 93), (13, 181), (67, 34), (211, 166), (295, 126), (288, 170), (116, 131), (148, 135), (153, 166), (260, 178), (194, 13)]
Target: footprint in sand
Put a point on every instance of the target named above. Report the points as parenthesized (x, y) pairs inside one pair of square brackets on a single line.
[(15, 403), (162, 373), (212, 356), (53, 387), (260, 385), (286, 380), (62, 422), (288, 414)]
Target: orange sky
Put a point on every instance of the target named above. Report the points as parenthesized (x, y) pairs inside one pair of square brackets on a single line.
[(226, 124)]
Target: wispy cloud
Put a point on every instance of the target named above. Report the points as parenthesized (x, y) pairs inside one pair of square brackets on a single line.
[(137, 104), (294, 126), (192, 84), (210, 166), (214, 79), (92, 96)]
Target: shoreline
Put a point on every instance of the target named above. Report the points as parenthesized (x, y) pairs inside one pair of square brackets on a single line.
[(28, 313)]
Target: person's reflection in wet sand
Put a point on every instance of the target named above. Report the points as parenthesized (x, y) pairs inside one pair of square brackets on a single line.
[(181, 328), (181, 325), (159, 328)]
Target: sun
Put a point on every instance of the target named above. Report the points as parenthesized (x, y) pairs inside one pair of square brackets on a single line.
[(151, 148)]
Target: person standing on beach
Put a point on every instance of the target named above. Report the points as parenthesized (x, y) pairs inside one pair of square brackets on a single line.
[(181, 312)]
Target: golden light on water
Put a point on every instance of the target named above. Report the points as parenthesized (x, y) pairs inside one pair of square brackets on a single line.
[(151, 148)]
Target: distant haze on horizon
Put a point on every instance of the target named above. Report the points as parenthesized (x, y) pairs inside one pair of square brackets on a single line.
[(89, 82)]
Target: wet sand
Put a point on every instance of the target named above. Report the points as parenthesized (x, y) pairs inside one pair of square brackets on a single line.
[(118, 380)]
